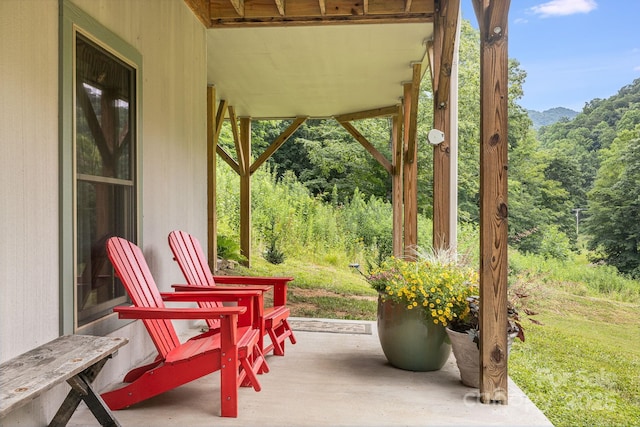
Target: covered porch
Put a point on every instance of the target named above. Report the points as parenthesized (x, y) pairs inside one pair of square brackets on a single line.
[(352, 60), (336, 375)]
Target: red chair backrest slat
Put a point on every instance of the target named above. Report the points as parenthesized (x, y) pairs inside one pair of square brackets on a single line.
[(132, 269), (194, 265), (191, 259)]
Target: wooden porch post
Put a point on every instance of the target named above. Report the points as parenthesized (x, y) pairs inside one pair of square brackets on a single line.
[(212, 142), (410, 165), (492, 18), (444, 41), (396, 182), (245, 188)]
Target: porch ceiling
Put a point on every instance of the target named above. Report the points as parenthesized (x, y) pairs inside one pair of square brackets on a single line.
[(313, 71), (316, 58)]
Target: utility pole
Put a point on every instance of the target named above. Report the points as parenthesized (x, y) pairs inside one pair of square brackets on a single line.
[(577, 212)]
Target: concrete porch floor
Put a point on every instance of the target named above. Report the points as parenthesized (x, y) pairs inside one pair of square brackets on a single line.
[(336, 375)]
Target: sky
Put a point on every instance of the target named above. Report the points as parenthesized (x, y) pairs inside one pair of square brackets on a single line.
[(572, 50)]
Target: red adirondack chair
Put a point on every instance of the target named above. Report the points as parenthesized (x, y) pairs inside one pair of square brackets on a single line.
[(233, 348), (194, 265)]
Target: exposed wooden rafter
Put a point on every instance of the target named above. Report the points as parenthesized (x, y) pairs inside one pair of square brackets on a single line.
[(201, 9), (280, 6), (238, 6), (368, 114), (215, 13), (323, 7)]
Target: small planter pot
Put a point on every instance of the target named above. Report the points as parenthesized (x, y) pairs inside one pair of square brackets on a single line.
[(467, 356), (409, 340)]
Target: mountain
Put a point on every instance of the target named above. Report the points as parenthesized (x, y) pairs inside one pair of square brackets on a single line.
[(551, 116)]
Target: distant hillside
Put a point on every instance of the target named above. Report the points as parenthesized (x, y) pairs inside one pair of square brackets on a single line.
[(551, 116)]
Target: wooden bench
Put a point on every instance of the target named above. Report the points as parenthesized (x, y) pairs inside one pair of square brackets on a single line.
[(76, 359)]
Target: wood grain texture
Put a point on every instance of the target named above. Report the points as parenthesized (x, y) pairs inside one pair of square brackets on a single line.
[(275, 145), (245, 190), (212, 144), (397, 148), (27, 376), (492, 17), (410, 179)]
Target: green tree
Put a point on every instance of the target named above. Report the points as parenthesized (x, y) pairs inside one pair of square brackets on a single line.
[(614, 204)]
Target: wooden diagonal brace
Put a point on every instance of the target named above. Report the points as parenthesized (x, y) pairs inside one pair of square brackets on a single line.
[(367, 145), (277, 143)]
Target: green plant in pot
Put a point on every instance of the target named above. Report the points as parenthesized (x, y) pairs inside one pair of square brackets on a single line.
[(417, 300)]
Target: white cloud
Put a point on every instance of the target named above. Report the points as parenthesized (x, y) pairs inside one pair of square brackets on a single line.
[(563, 7), (520, 21), (636, 68)]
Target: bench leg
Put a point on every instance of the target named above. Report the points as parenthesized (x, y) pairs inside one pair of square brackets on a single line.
[(81, 390)]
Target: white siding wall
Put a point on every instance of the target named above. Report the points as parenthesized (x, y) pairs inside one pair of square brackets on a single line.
[(173, 168), (28, 175)]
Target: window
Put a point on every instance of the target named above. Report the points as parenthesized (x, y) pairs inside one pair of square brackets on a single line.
[(99, 75), (105, 187)]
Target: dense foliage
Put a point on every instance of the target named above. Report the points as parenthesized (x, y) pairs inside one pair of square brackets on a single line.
[(596, 160)]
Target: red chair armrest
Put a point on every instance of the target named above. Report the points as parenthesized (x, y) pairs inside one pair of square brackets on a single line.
[(279, 284), (177, 313), (192, 288), (204, 295), (252, 280)]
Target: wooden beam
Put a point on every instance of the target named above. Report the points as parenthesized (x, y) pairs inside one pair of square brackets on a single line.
[(212, 144), (216, 13), (245, 191), (238, 5), (413, 115), (494, 73), (396, 182), (314, 8), (368, 146), (368, 114), (201, 9), (410, 179), (222, 108), (281, 139), (443, 48), (228, 159), (407, 6), (446, 22), (240, 155), (280, 6), (284, 21), (432, 64)]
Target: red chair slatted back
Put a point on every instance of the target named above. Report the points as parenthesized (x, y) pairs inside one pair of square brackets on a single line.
[(194, 265), (191, 259), (132, 269)]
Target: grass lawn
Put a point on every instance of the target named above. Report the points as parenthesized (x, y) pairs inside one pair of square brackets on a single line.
[(581, 367)]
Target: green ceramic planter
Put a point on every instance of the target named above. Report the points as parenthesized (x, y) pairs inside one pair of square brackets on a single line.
[(409, 341)]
